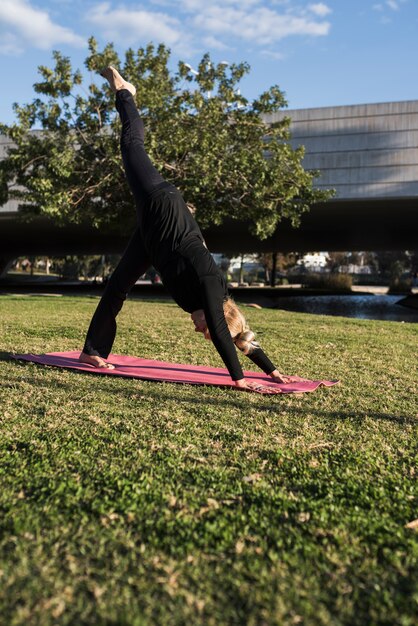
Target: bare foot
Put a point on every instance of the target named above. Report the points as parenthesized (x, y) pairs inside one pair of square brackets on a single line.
[(96, 361), (116, 81)]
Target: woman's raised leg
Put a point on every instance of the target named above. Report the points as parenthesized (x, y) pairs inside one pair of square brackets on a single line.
[(142, 176)]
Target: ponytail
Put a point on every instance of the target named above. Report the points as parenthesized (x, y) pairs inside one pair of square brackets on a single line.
[(241, 335), (245, 342)]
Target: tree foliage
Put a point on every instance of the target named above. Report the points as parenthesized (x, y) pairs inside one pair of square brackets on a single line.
[(202, 134)]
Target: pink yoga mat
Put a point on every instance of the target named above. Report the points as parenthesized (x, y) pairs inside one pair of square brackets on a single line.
[(147, 369)]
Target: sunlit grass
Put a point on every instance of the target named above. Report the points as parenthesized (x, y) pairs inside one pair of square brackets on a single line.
[(129, 502)]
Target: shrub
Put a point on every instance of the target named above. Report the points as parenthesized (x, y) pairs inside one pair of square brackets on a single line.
[(400, 285), (337, 282)]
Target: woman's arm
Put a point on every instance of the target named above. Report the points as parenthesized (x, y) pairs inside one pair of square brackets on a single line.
[(212, 294), (260, 358), (221, 338), (212, 291)]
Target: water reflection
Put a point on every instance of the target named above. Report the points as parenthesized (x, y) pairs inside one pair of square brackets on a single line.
[(370, 307)]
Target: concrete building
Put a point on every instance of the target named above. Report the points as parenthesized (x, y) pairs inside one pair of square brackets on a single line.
[(364, 152), (11, 206), (315, 261)]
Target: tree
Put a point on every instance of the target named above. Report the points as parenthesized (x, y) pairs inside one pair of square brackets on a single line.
[(273, 261), (216, 149), (336, 260), (393, 262)]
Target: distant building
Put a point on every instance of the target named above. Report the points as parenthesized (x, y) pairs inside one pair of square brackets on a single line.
[(315, 261)]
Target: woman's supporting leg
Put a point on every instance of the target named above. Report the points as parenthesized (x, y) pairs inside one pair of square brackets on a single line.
[(142, 176), (102, 331)]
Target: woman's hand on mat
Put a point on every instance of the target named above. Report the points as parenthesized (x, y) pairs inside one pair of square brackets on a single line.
[(256, 387), (280, 378)]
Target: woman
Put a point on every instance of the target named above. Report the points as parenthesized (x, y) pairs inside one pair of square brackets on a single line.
[(169, 238)]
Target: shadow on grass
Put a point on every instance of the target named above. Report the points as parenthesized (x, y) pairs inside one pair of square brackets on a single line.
[(155, 390), (161, 391), (357, 416)]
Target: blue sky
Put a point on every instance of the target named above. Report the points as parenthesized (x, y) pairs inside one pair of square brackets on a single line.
[(320, 53)]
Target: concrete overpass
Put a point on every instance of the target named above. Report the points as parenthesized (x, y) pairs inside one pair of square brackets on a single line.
[(367, 153)]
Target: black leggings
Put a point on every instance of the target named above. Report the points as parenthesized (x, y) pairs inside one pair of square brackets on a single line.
[(143, 179), (142, 176)]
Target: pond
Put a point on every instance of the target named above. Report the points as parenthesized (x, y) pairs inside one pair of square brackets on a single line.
[(369, 307)]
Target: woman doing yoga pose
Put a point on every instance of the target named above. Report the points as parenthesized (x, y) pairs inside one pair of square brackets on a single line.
[(168, 237)]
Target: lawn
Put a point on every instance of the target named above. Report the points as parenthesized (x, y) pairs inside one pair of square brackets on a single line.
[(135, 503)]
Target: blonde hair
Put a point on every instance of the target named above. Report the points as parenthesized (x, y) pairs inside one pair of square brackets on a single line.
[(241, 334)]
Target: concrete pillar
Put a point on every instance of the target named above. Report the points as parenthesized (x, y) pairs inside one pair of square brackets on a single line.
[(5, 264)]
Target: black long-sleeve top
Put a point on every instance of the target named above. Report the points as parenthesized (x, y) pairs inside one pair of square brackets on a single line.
[(177, 250)]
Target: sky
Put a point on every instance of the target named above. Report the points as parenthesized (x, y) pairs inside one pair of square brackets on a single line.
[(329, 53)]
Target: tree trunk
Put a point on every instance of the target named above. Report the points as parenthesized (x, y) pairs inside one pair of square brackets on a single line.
[(268, 276), (273, 270), (241, 270)]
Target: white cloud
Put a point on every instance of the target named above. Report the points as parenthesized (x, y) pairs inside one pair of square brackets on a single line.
[(261, 26), (202, 5), (277, 56), (393, 5), (9, 44), (23, 25), (212, 43), (138, 26), (161, 3), (320, 9), (187, 26), (387, 9)]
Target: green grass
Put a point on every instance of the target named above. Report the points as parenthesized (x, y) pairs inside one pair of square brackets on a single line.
[(132, 503)]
